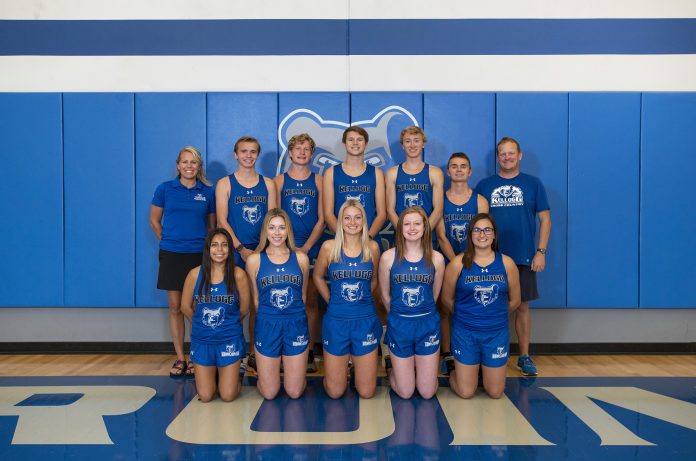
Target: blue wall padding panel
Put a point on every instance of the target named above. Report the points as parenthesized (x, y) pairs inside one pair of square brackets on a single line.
[(164, 123), (460, 122), (99, 178), (667, 217), (539, 121), (325, 117), (603, 175), (32, 191), (367, 107), (232, 115)]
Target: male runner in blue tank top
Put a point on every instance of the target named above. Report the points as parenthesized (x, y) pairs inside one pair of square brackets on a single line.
[(243, 198), (414, 182), (516, 200), (461, 204), (354, 179), (300, 195)]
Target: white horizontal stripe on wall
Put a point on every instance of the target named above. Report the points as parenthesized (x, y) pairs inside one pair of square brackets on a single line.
[(344, 73), (343, 9)]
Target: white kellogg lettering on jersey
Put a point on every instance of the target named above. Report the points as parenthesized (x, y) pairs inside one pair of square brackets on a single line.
[(507, 196)]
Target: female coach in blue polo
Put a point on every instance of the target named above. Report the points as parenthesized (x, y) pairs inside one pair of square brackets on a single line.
[(182, 211)]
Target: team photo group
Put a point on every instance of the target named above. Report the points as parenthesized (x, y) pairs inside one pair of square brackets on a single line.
[(463, 262)]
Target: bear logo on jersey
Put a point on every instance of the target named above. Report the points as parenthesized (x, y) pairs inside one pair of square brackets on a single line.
[(486, 295), (412, 296), (507, 196), (413, 199), (213, 318), (360, 198), (251, 214), (458, 232), (351, 292), (299, 206), (281, 298)]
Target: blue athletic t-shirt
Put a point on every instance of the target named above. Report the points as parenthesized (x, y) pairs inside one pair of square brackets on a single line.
[(411, 288), (481, 298), (413, 190), (216, 318), (351, 296), (300, 199), (185, 215), (361, 188), (456, 219), (280, 287), (247, 206), (514, 204)]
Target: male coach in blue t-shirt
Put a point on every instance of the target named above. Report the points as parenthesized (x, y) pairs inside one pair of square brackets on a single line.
[(516, 199)]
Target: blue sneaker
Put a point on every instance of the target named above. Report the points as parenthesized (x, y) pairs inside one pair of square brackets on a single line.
[(526, 366)]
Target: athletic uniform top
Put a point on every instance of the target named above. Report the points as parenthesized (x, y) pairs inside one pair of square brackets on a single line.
[(216, 318), (411, 288), (280, 287), (185, 216), (413, 190), (456, 219), (514, 204), (300, 199), (361, 188), (247, 207), (481, 299), (351, 296)]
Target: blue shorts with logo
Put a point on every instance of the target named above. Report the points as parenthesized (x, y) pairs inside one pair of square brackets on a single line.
[(351, 336), (472, 347), (409, 336), (277, 335), (218, 355)]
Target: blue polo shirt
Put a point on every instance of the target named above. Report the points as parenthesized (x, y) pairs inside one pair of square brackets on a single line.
[(185, 218), (514, 203)]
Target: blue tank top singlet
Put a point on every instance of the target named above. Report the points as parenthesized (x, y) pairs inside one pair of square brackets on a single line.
[(247, 207), (414, 190), (216, 318), (361, 188), (351, 296), (300, 199), (411, 288), (280, 287), (456, 219), (481, 299)]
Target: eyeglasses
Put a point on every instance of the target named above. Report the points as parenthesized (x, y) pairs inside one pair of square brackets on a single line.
[(485, 230)]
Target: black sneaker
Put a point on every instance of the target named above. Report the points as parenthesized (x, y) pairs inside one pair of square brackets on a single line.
[(311, 365), (251, 361), (447, 364), (242, 369)]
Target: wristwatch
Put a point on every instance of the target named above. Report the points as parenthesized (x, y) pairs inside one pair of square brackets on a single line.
[(239, 247), (541, 250)]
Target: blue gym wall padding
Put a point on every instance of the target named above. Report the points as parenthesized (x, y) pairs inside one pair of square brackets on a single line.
[(603, 169), (32, 197), (99, 179), (164, 123), (539, 122)]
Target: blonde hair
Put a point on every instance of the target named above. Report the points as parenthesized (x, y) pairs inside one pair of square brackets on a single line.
[(274, 213), (337, 250), (426, 238), (200, 176), (299, 139), (412, 130)]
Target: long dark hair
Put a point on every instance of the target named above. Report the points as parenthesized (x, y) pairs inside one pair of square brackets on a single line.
[(468, 255), (206, 263)]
